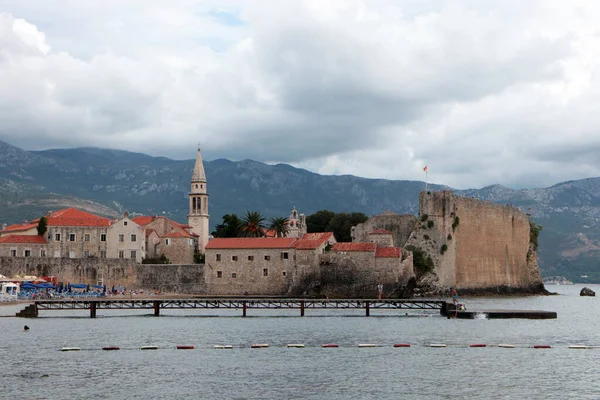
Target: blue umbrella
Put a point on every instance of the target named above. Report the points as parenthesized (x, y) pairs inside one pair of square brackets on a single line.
[(113, 289)]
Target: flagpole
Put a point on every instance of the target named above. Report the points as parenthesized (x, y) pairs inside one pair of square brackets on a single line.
[(425, 180)]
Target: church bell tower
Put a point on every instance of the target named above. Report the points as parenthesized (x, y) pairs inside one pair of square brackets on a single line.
[(198, 215)]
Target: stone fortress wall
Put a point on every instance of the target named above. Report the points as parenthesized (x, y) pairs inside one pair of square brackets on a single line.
[(401, 227), (486, 244)]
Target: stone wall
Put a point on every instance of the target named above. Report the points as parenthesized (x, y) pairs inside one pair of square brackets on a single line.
[(167, 278), (485, 245), (401, 227)]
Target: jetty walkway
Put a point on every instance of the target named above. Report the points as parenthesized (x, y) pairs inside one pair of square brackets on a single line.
[(244, 304)]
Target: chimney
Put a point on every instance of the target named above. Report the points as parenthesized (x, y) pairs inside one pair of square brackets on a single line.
[(25, 222), (125, 214), (4, 227), (49, 213)]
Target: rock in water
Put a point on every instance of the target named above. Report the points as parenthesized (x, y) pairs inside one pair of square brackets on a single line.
[(587, 292)]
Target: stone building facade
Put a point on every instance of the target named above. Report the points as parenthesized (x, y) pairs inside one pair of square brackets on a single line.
[(399, 225)]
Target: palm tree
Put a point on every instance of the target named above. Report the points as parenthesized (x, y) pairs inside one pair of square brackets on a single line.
[(281, 226), (253, 224)]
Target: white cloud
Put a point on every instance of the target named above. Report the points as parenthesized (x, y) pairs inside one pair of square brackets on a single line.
[(481, 92)]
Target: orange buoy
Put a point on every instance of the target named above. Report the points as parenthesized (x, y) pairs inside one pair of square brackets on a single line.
[(186, 347), (542, 346), (111, 348), (401, 345), (329, 345), (478, 345)]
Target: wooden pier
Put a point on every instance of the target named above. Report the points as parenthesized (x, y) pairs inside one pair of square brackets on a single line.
[(245, 304)]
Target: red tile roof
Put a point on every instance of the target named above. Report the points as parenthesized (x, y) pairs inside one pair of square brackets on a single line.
[(380, 232), (185, 226), (143, 220), (250, 243), (354, 246), (324, 236), (75, 217), (20, 227), (149, 232), (177, 234), (28, 239), (388, 252)]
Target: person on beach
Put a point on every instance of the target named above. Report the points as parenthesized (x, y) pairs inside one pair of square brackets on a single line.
[(380, 291), (454, 295)]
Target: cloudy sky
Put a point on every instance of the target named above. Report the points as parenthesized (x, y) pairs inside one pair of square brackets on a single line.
[(482, 92)]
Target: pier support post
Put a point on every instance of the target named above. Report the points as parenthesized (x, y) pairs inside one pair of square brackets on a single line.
[(156, 308), (302, 308), (93, 309), (244, 308), (367, 304)]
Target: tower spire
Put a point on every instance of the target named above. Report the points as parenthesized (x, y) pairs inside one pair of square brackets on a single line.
[(198, 175)]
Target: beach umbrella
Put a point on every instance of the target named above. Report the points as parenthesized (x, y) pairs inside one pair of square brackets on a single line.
[(113, 289)]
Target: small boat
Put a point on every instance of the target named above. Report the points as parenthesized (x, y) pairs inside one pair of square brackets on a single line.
[(329, 345), (296, 345), (70, 349), (149, 348), (186, 347), (110, 348), (259, 345)]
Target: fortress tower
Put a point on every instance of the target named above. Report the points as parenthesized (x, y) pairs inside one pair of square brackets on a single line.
[(198, 215)]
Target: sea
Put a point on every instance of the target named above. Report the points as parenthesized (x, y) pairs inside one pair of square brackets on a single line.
[(33, 367)]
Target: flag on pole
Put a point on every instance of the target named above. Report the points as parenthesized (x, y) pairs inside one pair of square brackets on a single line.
[(425, 169)]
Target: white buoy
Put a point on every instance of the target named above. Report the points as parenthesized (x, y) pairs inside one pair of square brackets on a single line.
[(507, 346), (296, 345), (218, 346), (437, 345), (228, 347), (578, 346), (149, 348), (70, 349), (259, 345), (367, 345)]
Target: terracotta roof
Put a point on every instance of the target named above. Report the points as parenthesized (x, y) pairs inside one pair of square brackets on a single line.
[(20, 227), (177, 234), (354, 246), (33, 239), (143, 220), (312, 241), (250, 243), (270, 233), (380, 232), (185, 226), (324, 236), (388, 252), (75, 217), (149, 232)]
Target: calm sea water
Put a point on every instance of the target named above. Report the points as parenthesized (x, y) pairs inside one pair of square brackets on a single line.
[(32, 367)]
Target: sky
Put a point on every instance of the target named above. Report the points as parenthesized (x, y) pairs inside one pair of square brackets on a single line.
[(481, 92)]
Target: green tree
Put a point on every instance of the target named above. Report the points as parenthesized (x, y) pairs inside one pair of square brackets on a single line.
[(318, 221), (281, 226), (253, 224), (341, 225), (42, 226), (229, 228)]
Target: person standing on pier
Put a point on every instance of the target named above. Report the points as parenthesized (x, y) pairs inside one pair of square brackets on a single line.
[(380, 291), (454, 295)]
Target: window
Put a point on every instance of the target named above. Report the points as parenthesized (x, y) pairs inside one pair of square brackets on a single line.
[(219, 274), (133, 237), (86, 237), (13, 252), (167, 242), (265, 272), (234, 275), (121, 238), (250, 258), (27, 253), (42, 253), (125, 223), (102, 253), (285, 255), (103, 237), (57, 237), (133, 254), (86, 254), (233, 258), (218, 257), (71, 237), (121, 254), (283, 273), (267, 258)]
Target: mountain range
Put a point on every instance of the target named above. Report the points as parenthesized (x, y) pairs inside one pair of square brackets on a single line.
[(109, 182)]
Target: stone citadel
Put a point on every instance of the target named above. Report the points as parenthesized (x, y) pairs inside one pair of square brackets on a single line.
[(472, 245)]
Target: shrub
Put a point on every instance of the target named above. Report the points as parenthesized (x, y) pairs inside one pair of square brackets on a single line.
[(421, 263), (199, 258), (424, 217), (430, 224), (157, 260), (449, 237), (455, 223), (443, 249), (534, 233), (426, 237)]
